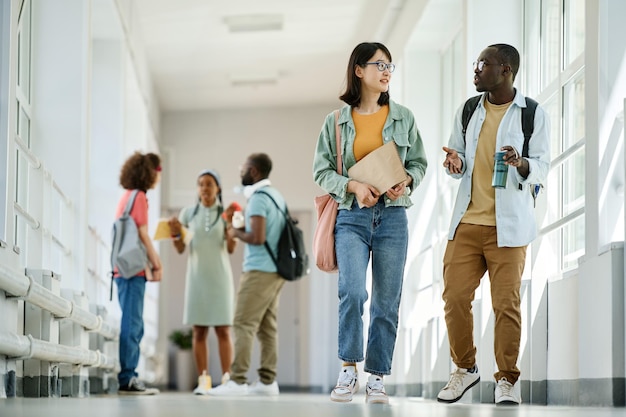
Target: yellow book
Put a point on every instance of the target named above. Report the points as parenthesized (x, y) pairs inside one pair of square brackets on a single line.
[(163, 232)]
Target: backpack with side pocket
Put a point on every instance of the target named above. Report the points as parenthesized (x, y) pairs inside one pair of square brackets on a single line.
[(291, 259), (128, 252), (528, 126)]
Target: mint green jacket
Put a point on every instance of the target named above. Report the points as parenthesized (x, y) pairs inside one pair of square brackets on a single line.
[(399, 127)]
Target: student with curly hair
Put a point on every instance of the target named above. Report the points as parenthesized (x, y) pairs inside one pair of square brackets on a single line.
[(140, 172)]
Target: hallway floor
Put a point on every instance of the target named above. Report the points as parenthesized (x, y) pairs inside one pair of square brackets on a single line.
[(174, 404)]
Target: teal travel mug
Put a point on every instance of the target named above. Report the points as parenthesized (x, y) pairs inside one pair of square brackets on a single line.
[(500, 171)]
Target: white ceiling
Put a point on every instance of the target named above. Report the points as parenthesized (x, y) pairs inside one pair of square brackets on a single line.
[(196, 63)]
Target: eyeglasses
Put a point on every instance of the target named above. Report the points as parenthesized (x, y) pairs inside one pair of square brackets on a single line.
[(382, 66), (479, 65)]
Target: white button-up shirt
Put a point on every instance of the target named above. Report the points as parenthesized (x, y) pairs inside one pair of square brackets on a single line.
[(515, 219)]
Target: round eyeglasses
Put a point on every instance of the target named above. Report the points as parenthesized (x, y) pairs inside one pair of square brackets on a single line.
[(479, 65), (382, 66)]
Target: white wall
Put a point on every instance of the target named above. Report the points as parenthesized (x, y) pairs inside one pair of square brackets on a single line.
[(222, 140), (76, 115)]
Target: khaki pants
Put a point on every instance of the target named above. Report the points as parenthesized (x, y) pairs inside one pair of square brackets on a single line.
[(255, 314), (474, 251)]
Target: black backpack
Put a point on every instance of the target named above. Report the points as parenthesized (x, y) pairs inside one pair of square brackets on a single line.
[(292, 261), (528, 126)]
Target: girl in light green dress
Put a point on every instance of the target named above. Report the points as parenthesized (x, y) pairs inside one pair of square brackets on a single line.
[(209, 288)]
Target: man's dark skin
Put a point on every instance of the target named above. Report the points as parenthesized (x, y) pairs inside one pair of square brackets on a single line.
[(256, 236), (496, 78)]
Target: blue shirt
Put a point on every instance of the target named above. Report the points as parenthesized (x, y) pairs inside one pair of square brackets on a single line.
[(515, 217), (256, 257)]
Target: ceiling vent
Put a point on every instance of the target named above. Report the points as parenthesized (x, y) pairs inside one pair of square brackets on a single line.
[(254, 22)]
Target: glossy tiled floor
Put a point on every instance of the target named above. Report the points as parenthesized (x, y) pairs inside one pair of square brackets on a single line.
[(292, 405)]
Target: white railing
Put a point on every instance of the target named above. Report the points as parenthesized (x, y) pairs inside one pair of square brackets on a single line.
[(25, 288), (27, 347)]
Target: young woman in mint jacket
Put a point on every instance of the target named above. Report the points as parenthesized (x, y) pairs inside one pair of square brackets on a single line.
[(370, 224)]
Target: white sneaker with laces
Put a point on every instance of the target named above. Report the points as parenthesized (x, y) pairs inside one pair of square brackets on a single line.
[(204, 384), (507, 393), (460, 381), (375, 391), (347, 385), (259, 388), (230, 388)]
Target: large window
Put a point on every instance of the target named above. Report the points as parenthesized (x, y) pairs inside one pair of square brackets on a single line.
[(23, 158), (5, 64), (554, 74)]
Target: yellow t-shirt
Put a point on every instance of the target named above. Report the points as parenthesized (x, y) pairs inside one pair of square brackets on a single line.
[(369, 131), (482, 207)]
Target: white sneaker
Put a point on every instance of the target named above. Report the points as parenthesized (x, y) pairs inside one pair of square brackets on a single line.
[(347, 385), (230, 388), (460, 381), (259, 388), (507, 393), (204, 384), (225, 378), (375, 391)]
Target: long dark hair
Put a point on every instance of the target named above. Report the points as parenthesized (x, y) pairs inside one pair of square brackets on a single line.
[(360, 55)]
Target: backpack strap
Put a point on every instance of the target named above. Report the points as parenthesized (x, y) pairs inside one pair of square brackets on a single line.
[(129, 206), (338, 141), (287, 218), (528, 118), (130, 203), (528, 122), (468, 110), (193, 214)]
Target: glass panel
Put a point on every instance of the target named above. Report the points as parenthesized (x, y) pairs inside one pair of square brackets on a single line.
[(23, 126), (19, 59), (554, 113), (24, 45), (21, 181), (553, 196), (530, 55), (574, 111), (574, 29), (550, 41), (574, 182), (573, 242)]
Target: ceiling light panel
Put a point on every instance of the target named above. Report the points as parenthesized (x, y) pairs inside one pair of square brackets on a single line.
[(254, 22)]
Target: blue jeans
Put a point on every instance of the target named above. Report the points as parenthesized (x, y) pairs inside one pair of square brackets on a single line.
[(382, 232), (130, 293)]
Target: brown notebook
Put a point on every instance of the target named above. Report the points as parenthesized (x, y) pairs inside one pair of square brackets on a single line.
[(381, 168)]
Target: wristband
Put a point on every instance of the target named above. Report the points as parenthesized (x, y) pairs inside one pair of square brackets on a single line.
[(176, 236)]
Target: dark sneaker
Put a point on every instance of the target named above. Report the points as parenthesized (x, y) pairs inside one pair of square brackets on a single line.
[(136, 387)]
